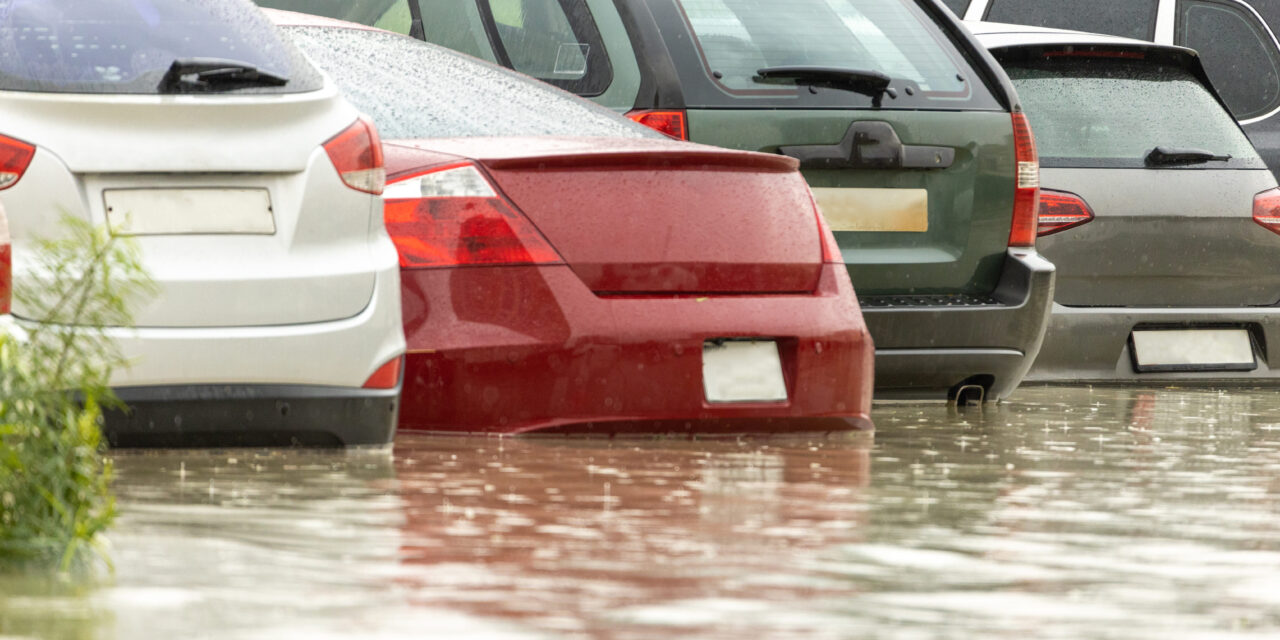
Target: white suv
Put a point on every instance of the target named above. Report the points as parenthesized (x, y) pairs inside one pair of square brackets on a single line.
[(252, 190)]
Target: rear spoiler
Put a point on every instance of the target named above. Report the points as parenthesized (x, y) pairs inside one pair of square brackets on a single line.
[(1183, 57)]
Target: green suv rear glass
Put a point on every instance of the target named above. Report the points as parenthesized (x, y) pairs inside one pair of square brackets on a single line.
[(1107, 112), (555, 41), (737, 38)]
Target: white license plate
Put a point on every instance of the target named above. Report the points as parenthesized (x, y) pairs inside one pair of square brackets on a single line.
[(144, 212), (1193, 350), (743, 371)]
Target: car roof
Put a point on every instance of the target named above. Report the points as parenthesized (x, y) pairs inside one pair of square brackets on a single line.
[(997, 35), (282, 18)]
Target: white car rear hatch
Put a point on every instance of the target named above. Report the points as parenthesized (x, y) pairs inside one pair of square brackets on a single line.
[(195, 128)]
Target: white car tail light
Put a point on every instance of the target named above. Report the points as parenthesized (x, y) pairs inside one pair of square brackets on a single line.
[(357, 155), (15, 157)]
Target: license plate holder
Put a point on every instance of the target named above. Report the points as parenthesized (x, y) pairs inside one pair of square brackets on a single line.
[(1190, 350), (742, 371), (151, 212)]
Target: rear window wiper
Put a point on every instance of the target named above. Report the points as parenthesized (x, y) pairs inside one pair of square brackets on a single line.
[(864, 81), (195, 75), (1164, 156)]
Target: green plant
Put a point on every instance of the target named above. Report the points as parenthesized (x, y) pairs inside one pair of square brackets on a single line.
[(55, 497)]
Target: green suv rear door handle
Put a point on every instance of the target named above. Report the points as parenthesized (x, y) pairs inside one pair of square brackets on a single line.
[(870, 145)]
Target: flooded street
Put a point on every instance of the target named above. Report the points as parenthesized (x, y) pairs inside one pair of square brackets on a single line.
[(1064, 513)]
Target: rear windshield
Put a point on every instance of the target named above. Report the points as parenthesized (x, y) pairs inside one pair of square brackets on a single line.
[(1108, 112), (734, 39), (416, 90), (127, 46)]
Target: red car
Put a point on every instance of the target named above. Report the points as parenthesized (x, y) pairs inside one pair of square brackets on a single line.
[(566, 270)]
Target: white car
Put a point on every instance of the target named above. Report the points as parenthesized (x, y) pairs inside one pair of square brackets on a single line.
[(252, 190)]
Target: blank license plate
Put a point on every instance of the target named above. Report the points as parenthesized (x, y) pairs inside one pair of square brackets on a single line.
[(1193, 350), (896, 210), (743, 371), (142, 212)]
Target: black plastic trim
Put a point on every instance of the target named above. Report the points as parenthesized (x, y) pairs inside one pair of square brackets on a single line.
[(659, 81), (979, 58), (252, 416), (416, 30), (870, 144)]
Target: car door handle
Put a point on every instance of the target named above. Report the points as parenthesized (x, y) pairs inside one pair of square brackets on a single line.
[(870, 145)]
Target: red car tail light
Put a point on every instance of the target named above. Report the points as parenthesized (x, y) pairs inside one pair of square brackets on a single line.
[(453, 216), (1027, 191), (1060, 210), (387, 376), (672, 123), (357, 155), (15, 157)]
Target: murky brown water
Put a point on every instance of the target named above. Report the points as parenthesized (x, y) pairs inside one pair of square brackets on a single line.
[(1063, 514)]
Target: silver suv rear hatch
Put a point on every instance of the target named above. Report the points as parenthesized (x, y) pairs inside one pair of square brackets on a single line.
[(196, 129), (1172, 228)]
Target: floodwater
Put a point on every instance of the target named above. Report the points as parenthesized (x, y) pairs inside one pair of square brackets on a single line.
[(1065, 513)]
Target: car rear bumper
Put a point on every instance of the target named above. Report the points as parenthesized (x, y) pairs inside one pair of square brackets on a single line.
[(259, 386), (341, 353), (252, 416), (1091, 344), (522, 349), (926, 351)]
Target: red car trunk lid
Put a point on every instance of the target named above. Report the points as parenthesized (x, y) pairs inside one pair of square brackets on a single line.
[(657, 217)]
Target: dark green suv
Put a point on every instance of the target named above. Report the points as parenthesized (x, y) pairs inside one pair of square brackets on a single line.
[(909, 133)]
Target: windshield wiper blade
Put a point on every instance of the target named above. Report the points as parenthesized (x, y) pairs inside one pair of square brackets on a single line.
[(1163, 156), (864, 81), (193, 75)]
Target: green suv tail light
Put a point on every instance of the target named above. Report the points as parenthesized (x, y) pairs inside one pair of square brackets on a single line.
[(672, 123), (1026, 196)]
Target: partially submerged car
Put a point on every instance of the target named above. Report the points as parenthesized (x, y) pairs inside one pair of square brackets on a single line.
[(568, 270), (1161, 217), (251, 189), (909, 134)]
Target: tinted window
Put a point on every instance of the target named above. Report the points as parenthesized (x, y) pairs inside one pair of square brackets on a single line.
[(552, 40), (126, 46), (1128, 18), (1110, 112), (392, 15), (736, 38), (1239, 55), (957, 6), (416, 90)]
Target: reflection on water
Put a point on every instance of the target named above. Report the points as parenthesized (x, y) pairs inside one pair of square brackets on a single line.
[(1066, 513)]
